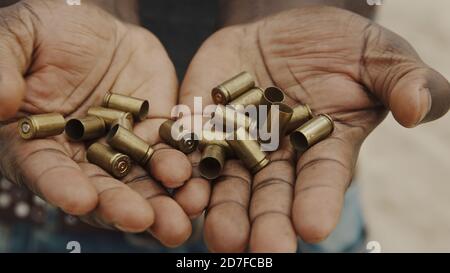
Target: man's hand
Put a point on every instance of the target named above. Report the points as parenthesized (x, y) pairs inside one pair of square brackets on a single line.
[(60, 58), (340, 64)]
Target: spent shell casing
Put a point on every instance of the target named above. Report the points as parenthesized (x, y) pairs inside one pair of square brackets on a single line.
[(300, 115), (124, 122), (138, 107), (215, 138), (41, 126), (248, 150), (127, 142), (87, 128), (186, 142), (285, 113), (226, 116), (272, 95), (212, 161), (251, 97), (312, 132), (233, 88), (113, 162), (111, 116)]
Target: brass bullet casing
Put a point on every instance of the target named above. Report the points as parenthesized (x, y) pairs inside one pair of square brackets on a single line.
[(112, 116), (115, 163), (226, 115), (232, 88), (248, 150), (312, 132), (251, 97), (186, 143), (139, 108), (285, 113), (87, 128), (215, 138), (212, 161), (272, 95), (215, 151), (130, 144), (301, 114), (125, 123), (41, 126)]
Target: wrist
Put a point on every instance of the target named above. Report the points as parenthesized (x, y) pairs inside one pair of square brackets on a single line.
[(234, 12)]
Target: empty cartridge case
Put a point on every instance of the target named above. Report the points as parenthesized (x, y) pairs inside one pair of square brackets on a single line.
[(232, 88), (87, 128), (125, 123), (301, 114), (111, 116), (251, 97), (212, 161), (40, 126), (224, 116), (130, 144), (183, 141), (115, 163), (139, 108), (285, 113), (272, 95), (312, 132), (215, 138), (248, 150)]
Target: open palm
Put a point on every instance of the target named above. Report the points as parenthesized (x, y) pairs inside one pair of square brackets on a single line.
[(340, 64), (60, 58)]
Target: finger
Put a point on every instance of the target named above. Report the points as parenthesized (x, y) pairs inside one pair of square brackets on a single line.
[(227, 226), (271, 204), (158, 84), (45, 168), (118, 205), (172, 226), (167, 165), (323, 175), (193, 197), (170, 166), (172, 169), (413, 91)]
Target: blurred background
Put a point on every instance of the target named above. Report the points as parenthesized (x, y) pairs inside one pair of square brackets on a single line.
[(405, 174)]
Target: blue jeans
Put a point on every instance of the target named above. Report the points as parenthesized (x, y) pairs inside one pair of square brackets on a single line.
[(349, 236)]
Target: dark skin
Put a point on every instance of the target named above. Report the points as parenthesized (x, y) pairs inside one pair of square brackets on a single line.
[(336, 61), (340, 64), (60, 58)]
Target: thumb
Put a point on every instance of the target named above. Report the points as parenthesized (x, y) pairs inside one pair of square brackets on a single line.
[(414, 92), (420, 96)]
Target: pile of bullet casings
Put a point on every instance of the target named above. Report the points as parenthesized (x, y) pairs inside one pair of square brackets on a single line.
[(115, 120), (304, 128)]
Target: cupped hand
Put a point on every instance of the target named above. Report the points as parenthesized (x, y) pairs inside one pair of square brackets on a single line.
[(60, 58), (340, 64)]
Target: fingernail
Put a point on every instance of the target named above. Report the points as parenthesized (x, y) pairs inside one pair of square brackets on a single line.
[(425, 96)]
